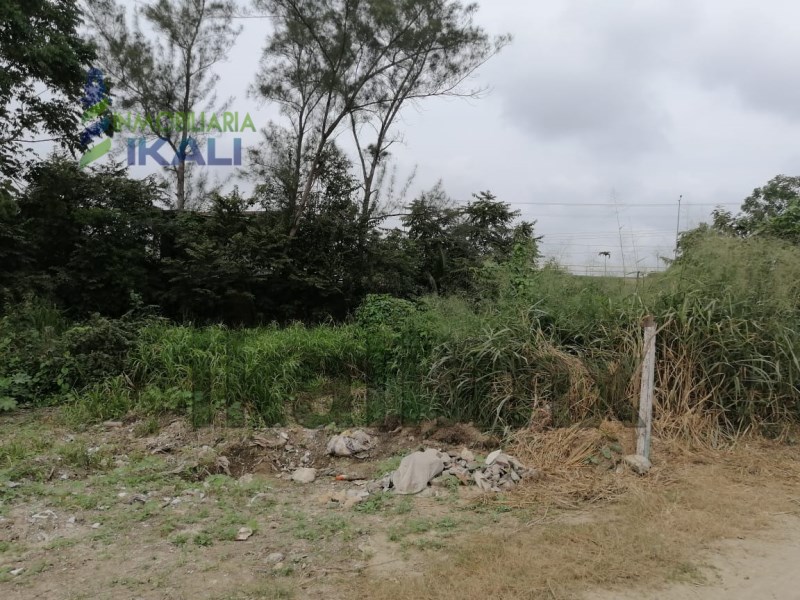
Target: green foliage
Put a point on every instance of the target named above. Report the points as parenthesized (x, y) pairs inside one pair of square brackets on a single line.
[(98, 261), (548, 346), (772, 210), (115, 251), (43, 358), (382, 310), (40, 51), (450, 244), (212, 371)]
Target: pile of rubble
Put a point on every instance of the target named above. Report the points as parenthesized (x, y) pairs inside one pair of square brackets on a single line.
[(498, 473)]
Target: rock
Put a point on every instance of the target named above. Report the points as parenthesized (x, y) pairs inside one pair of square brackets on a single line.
[(113, 424), (271, 443), (482, 482), (490, 460), (224, 465), (245, 533), (140, 498), (493, 473), (96, 526), (416, 471), (275, 558), (462, 474), (467, 455), (381, 485), (304, 475), (351, 443), (503, 461), (638, 464), (430, 492), (13, 484), (44, 515), (18, 571), (354, 497)]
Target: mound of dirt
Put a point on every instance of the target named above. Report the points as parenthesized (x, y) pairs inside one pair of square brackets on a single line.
[(460, 434)]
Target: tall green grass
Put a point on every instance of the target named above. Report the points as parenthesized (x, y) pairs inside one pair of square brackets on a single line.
[(260, 371)]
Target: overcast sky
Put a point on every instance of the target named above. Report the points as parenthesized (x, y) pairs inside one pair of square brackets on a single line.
[(597, 102)]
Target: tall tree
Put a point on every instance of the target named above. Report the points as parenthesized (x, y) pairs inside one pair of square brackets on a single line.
[(772, 209), (43, 63), (168, 72), (354, 64)]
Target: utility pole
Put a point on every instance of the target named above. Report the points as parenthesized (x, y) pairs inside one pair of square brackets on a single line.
[(678, 232)]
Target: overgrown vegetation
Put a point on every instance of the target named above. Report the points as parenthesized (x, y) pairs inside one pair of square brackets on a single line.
[(304, 300), (545, 349)]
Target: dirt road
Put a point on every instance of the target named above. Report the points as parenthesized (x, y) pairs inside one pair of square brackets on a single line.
[(763, 567)]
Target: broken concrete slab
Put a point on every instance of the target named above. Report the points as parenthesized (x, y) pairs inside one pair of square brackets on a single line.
[(416, 471)]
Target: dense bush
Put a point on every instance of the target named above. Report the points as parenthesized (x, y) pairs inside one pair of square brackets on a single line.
[(96, 242), (43, 357)]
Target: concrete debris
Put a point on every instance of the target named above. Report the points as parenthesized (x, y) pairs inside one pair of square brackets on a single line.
[(356, 443), (490, 460), (417, 470), (44, 515), (638, 464), (224, 465), (272, 442), (304, 475), (500, 472)]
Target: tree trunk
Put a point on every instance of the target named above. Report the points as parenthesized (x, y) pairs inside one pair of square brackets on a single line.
[(180, 174)]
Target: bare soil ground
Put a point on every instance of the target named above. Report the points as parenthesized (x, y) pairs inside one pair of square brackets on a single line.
[(762, 566), (152, 510)]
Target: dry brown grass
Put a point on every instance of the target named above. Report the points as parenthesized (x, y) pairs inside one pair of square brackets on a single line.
[(639, 530)]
